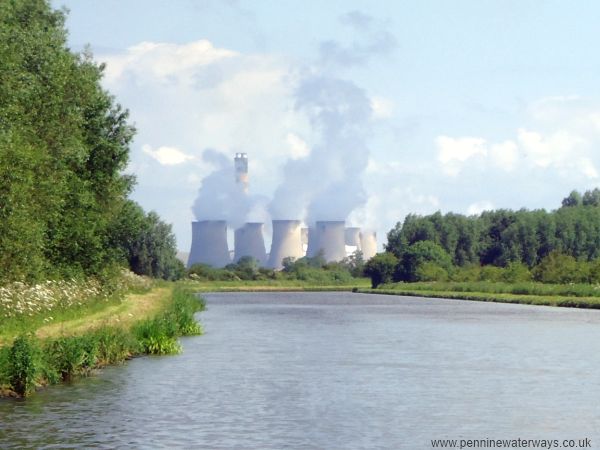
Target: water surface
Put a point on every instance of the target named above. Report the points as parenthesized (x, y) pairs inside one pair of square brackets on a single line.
[(335, 370)]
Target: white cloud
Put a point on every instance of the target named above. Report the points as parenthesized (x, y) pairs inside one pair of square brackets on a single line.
[(504, 155), (479, 207), (382, 108), (167, 156), (163, 60), (453, 152)]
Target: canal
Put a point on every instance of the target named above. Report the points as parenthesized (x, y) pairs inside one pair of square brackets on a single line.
[(335, 371)]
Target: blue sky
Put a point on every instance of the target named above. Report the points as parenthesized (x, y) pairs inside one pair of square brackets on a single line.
[(473, 104)]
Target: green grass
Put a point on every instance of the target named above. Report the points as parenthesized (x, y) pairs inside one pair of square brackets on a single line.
[(273, 285), (572, 295), (29, 361)]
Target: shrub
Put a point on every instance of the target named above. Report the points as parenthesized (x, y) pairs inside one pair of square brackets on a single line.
[(431, 272), (559, 268), (23, 364), (380, 268), (516, 272), (417, 254)]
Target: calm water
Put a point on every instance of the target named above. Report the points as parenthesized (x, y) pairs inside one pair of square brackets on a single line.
[(336, 371)]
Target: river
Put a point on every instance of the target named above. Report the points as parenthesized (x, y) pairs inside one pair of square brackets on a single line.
[(335, 371)]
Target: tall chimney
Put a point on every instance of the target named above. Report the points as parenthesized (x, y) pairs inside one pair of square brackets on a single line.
[(209, 243), (287, 241), (329, 236), (368, 244), (241, 170), (249, 241)]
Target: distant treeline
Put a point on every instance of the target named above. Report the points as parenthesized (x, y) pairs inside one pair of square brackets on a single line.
[(64, 143), (504, 236), (503, 245)]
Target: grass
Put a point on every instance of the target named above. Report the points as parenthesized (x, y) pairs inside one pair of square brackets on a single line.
[(147, 323), (273, 285), (570, 296)]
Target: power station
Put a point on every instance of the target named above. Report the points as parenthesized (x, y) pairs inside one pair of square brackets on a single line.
[(290, 239)]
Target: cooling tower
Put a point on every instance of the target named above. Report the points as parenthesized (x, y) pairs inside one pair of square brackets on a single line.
[(209, 243), (329, 237), (368, 244), (312, 246), (304, 235), (287, 241), (249, 241), (352, 237)]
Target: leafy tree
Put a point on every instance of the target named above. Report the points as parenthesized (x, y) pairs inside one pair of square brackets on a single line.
[(63, 146), (591, 198), (418, 254), (380, 268), (558, 268), (574, 199), (146, 243)]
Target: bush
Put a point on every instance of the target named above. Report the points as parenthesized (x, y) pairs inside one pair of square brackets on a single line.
[(23, 364), (431, 272), (559, 268), (380, 268), (420, 253), (516, 272)]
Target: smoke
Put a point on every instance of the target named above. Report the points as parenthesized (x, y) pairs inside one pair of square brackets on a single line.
[(324, 180), (220, 197), (326, 184)]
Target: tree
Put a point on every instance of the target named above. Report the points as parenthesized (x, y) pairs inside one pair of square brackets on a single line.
[(574, 199), (64, 143), (380, 268), (146, 243), (418, 254), (591, 198)]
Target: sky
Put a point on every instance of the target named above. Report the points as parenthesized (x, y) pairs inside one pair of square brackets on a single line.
[(367, 109)]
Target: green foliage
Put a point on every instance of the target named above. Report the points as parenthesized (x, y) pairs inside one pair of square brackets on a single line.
[(418, 254), (355, 264), (146, 243), (502, 238), (63, 147), (558, 268), (30, 362), (23, 364), (429, 271), (158, 336), (515, 273), (380, 268), (72, 355)]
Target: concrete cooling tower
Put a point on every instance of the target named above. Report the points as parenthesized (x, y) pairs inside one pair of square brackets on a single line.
[(352, 237), (329, 237), (209, 243), (312, 245), (249, 241), (287, 241), (368, 244), (304, 235)]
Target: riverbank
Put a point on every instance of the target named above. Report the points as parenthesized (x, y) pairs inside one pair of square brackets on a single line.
[(566, 296), (273, 286), (147, 323)]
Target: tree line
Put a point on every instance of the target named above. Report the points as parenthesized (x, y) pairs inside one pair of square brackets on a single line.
[(524, 241), (64, 144)]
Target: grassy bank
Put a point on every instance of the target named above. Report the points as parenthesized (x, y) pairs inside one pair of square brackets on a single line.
[(570, 296), (273, 285), (147, 323)]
